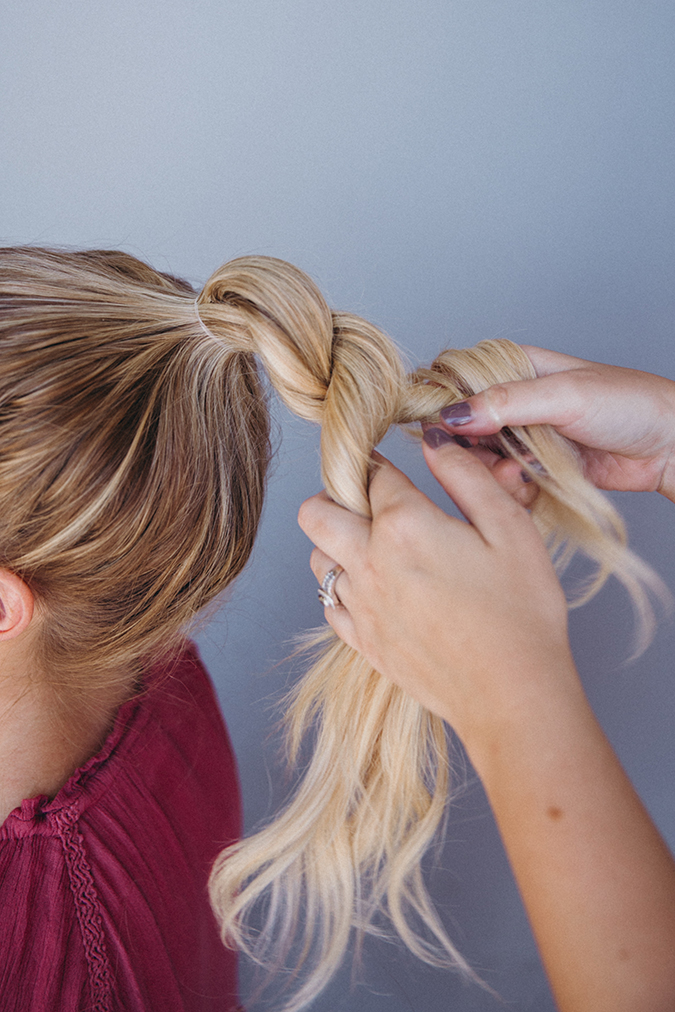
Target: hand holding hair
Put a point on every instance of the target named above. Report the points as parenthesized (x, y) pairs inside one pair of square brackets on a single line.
[(412, 566), (374, 794), (622, 420), (469, 618), (135, 445)]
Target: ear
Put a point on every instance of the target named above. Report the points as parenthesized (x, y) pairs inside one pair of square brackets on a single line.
[(16, 605)]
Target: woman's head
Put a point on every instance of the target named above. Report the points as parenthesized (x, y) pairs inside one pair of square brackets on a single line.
[(133, 452), (134, 435)]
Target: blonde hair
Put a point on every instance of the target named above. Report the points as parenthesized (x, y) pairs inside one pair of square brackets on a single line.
[(133, 451), (346, 850)]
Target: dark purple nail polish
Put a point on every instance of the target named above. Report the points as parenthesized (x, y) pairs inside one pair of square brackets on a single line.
[(437, 437), (457, 414), (463, 441), (527, 478)]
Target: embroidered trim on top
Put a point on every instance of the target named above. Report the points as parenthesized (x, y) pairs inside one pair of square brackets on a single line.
[(88, 910)]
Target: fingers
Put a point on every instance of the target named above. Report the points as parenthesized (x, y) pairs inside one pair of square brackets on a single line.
[(343, 535), (338, 618), (515, 481), (466, 479), (342, 623), (337, 531), (470, 485), (506, 471), (555, 399), (340, 536), (546, 362), (390, 488), (322, 564)]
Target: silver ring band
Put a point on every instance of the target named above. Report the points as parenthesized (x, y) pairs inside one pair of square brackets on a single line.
[(327, 595)]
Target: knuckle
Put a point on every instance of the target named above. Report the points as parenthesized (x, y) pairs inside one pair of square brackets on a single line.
[(471, 466), (312, 516), (396, 523), (496, 399), (305, 514)]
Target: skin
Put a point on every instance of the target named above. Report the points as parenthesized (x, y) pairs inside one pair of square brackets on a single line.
[(622, 419), (470, 619), (43, 737)]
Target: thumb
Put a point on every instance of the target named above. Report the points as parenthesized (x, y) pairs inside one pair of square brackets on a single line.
[(471, 485), (553, 399)]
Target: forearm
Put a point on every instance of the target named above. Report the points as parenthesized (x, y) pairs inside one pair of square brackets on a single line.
[(596, 878), (470, 619)]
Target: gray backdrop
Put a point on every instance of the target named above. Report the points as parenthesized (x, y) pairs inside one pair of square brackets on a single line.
[(452, 170)]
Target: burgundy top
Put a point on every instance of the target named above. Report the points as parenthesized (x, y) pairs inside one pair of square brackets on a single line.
[(103, 902)]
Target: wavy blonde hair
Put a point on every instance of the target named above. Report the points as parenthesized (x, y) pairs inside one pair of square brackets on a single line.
[(133, 452), (347, 848)]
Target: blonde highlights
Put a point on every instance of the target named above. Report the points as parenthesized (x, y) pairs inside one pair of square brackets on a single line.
[(133, 452), (346, 851)]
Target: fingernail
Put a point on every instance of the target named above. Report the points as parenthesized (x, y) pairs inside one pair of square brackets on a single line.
[(463, 441), (527, 478), (457, 414), (437, 437)]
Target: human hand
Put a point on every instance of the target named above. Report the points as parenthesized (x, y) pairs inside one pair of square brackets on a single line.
[(623, 420), (468, 618)]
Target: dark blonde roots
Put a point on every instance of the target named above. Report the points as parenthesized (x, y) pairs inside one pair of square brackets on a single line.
[(133, 451)]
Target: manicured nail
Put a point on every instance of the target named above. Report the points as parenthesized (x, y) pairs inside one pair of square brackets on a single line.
[(527, 478), (463, 441), (437, 437), (457, 414)]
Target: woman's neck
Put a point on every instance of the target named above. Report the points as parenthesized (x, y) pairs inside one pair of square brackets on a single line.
[(45, 737)]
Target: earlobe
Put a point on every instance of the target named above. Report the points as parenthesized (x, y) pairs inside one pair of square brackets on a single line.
[(16, 605)]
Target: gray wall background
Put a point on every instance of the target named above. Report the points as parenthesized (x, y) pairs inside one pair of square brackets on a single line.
[(452, 170)]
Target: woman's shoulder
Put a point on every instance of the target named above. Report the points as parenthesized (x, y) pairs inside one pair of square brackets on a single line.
[(181, 742), (104, 887), (168, 746)]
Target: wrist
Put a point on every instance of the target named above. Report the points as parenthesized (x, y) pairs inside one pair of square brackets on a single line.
[(596, 879), (539, 709)]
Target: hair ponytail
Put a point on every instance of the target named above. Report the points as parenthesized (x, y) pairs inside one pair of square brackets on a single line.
[(133, 451), (332, 368), (347, 848)]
